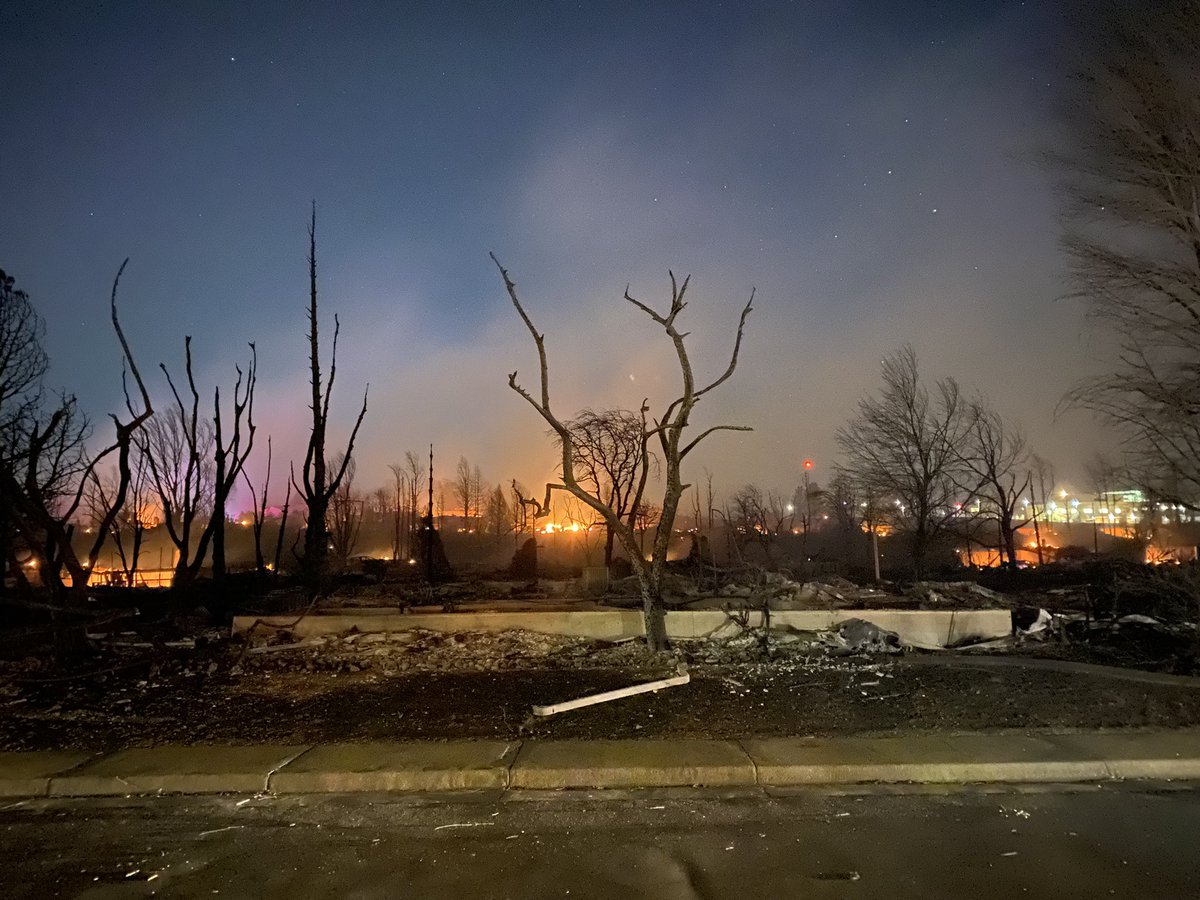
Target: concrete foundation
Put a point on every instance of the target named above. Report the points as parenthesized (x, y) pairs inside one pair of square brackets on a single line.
[(920, 628)]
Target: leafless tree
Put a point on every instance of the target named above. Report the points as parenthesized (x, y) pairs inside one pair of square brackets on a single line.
[(522, 510), (496, 513), (23, 361), (320, 482), (1133, 231), (259, 512), (841, 504), (1103, 475), (231, 452), (23, 364), (134, 518), (758, 518), (408, 480), (1041, 483), (855, 508), (345, 514), (902, 446), (583, 526), (381, 505), (464, 490), (417, 477), (996, 459), (45, 474), (477, 497), (645, 517), (669, 430), (399, 508), (612, 461), (177, 445), (194, 464), (283, 518)]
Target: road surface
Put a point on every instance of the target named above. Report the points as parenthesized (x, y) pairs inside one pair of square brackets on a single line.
[(1059, 842)]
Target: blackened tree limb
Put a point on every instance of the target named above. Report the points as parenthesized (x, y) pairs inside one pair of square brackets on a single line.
[(668, 429)]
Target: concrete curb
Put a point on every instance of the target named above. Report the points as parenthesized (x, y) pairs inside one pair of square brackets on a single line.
[(349, 768), (623, 764), (499, 765), (175, 770)]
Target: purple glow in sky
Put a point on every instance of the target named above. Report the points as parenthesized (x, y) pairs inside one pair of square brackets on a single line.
[(868, 167)]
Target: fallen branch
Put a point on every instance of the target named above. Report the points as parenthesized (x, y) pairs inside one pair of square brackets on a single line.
[(650, 686)]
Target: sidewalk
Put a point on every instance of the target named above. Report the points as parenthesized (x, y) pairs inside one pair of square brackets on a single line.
[(538, 764)]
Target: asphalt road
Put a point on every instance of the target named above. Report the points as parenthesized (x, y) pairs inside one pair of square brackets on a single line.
[(1064, 842)]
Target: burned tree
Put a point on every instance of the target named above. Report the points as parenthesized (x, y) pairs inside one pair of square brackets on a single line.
[(23, 363), (902, 446), (178, 446), (496, 514), (135, 517), (610, 459), (230, 455), (194, 466), (283, 518), (346, 509), (759, 518), (465, 490), (997, 465), (259, 512), (408, 478), (399, 508), (45, 473), (319, 482), (669, 430)]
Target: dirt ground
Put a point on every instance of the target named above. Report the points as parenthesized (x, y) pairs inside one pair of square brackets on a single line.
[(424, 685)]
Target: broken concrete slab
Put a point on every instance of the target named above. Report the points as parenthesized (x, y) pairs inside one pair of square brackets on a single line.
[(169, 770), (630, 763), (931, 759), (28, 774), (381, 766)]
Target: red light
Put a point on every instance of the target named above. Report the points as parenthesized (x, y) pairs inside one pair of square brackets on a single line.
[(808, 464)]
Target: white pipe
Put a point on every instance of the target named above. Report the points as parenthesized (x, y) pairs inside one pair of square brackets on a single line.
[(682, 678)]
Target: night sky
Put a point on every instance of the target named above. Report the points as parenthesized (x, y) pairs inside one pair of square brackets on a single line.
[(870, 168)]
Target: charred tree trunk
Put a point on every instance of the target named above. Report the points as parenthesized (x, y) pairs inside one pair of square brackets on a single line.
[(283, 517), (318, 486), (669, 430)]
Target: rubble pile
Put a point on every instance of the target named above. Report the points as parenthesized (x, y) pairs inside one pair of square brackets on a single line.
[(861, 636), (956, 595), (422, 650)]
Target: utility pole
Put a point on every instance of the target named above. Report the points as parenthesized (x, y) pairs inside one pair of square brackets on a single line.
[(429, 526), (808, 464), (875, 551)]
